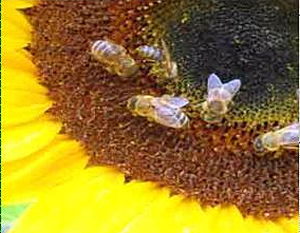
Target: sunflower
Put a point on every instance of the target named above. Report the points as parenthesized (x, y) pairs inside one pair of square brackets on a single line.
[(42, 166)]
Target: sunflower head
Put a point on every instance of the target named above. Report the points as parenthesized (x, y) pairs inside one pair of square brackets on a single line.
[(211, 161)]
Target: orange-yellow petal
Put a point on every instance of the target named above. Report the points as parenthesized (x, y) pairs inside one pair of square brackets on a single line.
[(27, 178), (23, 140)]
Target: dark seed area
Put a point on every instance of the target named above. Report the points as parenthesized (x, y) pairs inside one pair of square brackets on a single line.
[(215, 164)]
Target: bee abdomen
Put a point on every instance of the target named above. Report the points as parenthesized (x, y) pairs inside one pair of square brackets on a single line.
[(150, 52), (105, 48), (182, 119)]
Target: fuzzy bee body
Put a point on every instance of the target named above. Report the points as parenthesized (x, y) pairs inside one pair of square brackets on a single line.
[(287, 137), (218, 98), (114, 57), (165, 110)]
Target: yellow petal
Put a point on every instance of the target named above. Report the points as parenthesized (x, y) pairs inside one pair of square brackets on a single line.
[(18, 80), (15, 33), (22, 106), (17, 3), (89, 186), (9, 30), (16, 59), (11, 14), (27, 178), (290, 225), (98, 201), (23, 140)]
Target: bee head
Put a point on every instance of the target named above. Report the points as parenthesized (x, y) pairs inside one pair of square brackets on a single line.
[(132, 103), (259, 145)]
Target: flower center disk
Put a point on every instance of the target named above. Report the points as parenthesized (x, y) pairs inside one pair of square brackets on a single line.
[(255, 41)]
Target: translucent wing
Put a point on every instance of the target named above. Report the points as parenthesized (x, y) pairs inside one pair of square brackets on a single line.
[(290, 138), (166, 116), (213, 82), (294, 126), (178, 102), (174, 102), (233, 86)]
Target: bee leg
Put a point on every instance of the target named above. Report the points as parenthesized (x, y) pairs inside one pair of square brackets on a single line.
[(212, 118), (150, 119), (230, 105), (109, 69), (291, 147), (277, 154)]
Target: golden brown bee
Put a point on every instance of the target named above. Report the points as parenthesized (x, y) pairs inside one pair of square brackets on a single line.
[(287, 138), (114, 57), (218, 98), (165, 110), (163, 65)]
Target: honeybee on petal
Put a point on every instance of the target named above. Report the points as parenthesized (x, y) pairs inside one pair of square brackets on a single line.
[(218, 98), (114, 57), (287, 138), (165, 110)]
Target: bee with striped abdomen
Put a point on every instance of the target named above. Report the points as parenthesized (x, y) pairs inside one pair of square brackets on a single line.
[(114, 57), (287, 138), (165, 110), (150, 53), (163, 65)]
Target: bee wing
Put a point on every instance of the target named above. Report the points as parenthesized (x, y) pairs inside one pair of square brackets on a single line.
[(233, 86), (173, 102), (165, 111), (294, 126), (290, 139), (165, 115), (177, 102), (213, 82)]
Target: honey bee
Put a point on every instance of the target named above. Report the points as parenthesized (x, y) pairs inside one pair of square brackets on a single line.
[(163, 65), (287, 138), (218, 98), (165, 110), (114, 57)]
